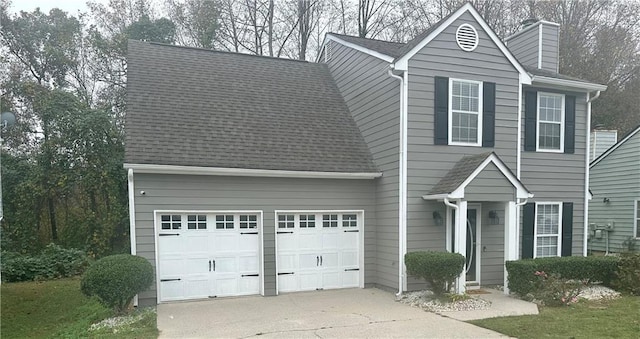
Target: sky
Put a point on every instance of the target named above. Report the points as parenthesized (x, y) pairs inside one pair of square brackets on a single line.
[(71, 6)]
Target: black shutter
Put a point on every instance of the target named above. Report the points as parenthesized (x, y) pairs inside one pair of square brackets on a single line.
[(488, 114), (530, 120), (569, 124), (441, 116), (567, 228), (528, 222)]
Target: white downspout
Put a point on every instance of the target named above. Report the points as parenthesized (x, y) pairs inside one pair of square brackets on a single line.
[(402, 187), (132, 212), (455, 208), (585, 236)]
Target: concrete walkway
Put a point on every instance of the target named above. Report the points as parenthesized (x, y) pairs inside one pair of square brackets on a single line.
[(501, 306), (350, 313)]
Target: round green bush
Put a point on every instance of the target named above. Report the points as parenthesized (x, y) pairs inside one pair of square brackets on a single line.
[(116, 279), (439, 269)]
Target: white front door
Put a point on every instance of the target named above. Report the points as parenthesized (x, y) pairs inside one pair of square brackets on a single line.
[(318, 250), (203, 255)]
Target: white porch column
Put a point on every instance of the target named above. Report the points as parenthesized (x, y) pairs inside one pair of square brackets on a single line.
[(510, 238), (461, 243)]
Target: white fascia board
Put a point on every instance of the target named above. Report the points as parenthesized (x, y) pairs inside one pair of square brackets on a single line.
[(538, 80), (614, 147), (521, 191), (435, 196), (403, 62), (245, 172), (357, 48)]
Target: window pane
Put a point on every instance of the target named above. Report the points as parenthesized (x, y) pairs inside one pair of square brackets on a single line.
[(549, 136), (547, 247), (548, 219)]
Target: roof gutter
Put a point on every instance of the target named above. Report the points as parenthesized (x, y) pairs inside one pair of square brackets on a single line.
[(567, 83), (246, 172), (402, 164), (585, 232)]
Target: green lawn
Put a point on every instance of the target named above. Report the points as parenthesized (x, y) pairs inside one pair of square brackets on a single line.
[(57, 309), (619, 318)]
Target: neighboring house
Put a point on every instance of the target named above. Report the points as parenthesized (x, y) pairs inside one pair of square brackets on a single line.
[(614, 211), (600, 141), (256, 175)]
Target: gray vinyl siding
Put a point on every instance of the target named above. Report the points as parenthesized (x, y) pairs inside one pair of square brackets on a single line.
[(492, 245), (428, 163), (373, 100), (617, 177), (549, 47), (183, 192), (601, 141), (525, 47), (560, 177), (490, 185)]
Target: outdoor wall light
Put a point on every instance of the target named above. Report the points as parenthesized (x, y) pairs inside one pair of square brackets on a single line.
[(606, 200), (493, 217), (437, 218)]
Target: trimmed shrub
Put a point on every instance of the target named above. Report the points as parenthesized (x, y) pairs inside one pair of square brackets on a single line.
[(116, 279), (53, 262), (439, 269), (522, 278), (628, 273)]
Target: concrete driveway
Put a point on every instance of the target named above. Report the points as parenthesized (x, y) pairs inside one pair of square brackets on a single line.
[(349, 313)]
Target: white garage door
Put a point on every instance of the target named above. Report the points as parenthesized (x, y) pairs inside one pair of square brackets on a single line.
[(318, 250), (205, 255)]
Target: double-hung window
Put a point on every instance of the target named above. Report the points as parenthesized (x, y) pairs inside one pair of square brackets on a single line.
[(465, 112), (550, 122), (548, 223)]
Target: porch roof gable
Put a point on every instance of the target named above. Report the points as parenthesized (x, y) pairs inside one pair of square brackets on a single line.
[(453, 184)]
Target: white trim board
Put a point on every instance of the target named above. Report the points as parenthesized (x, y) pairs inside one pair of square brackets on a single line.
[(245, 172), (544, 81)]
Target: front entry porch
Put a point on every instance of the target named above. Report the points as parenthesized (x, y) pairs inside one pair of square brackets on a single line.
[(482, 198)]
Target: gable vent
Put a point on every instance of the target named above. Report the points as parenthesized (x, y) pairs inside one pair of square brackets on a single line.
[(467, 37)]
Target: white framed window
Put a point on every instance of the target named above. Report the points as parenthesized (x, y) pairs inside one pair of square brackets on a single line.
[(550, 129), (171, 221), (196, 221), (286, 221), (636, 219), (329, 220), (465, 112), (224, 221), (548, 229)]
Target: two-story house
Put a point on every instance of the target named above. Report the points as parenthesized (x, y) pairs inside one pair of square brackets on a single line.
[(256, 175)]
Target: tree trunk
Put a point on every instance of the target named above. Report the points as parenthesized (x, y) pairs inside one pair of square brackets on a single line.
[(52, 220)]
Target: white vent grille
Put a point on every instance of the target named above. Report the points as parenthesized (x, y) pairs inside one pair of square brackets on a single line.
[(467, 37)]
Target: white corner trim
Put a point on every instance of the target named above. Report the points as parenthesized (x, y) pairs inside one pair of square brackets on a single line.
[(245, 172), (521, 191), (542, 80), (540, 46), (614, 147), (357, 48), (402, 63), (132, 211), (587, 194)]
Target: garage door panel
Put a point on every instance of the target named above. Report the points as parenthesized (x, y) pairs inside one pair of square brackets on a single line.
[(351, 279), (329, 260), (350, 258), (172, 290), (197, 265), (248, 264), (331, 280), (308, 280), (225, 242), (288, 283), (197, 287), (171, 268), (225, 287), (287, 242), (249, 285), (308, 240), (309, 261), (248, 242), (330, 240), (226, 265)]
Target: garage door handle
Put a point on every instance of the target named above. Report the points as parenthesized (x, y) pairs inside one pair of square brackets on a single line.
[(248, 232), (351, 231), (317, 260), (351, 269), (214, 265), (320, 260), (209, 265), (250, 275), (163, 280), (168, 234)]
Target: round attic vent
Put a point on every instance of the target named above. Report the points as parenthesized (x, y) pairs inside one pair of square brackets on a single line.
[(467, 37)]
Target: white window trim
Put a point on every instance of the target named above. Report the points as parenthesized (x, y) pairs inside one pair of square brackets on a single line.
[(636, 219), (535, 227), (562, 123), (450, 114)]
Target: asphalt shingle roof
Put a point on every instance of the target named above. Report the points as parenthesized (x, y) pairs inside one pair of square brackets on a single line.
[(389, 48), (195, 107), (459, 173)]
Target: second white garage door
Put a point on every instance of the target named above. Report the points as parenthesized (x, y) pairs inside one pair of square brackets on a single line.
[(318, 250)]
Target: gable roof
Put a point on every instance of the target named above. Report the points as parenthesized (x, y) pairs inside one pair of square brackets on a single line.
[(388, 48), (615, 146), (466, 169), (546, 77), (202, 108)]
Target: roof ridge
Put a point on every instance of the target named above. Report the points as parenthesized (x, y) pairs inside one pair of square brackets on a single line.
[(372, 39), (218, 51)]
